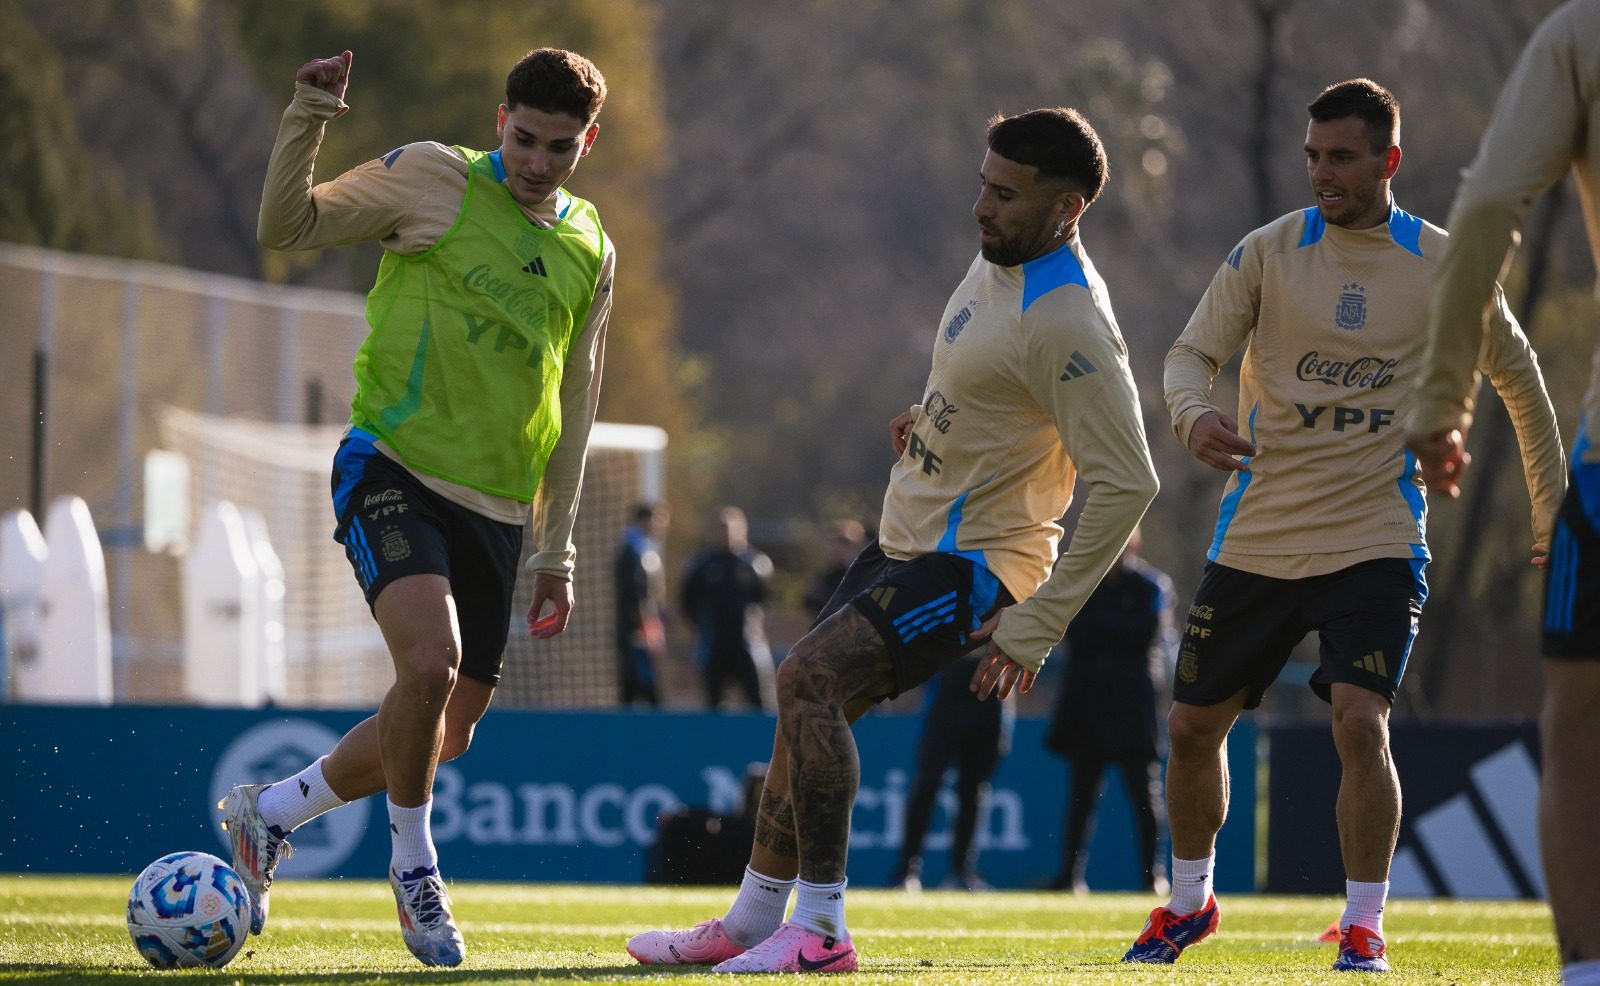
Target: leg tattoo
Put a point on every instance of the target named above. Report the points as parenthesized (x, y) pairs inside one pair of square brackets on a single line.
[(838, 664), (775, 825)]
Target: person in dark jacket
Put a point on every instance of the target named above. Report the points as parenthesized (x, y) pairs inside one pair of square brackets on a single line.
[(723, 590), (641, 605), (846, 538), (1117, 651), (962, 732)]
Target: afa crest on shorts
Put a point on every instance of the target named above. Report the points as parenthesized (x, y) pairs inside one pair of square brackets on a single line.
[(1188, 665), (1351, 312)]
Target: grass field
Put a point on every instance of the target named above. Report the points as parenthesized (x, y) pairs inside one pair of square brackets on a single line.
[(61, 930)]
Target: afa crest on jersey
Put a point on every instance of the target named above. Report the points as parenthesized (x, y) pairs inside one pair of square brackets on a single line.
[(1351, 312), (959, 321)]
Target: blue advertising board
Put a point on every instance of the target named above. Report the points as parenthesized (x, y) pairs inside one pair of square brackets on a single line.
[(541, 796)]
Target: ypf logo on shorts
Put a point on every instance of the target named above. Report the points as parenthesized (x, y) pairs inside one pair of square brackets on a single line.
[(273, 751)]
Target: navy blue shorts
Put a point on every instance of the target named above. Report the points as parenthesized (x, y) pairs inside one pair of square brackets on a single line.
[(1572, 577), (1243, 626), (924, 608), (392, 526)]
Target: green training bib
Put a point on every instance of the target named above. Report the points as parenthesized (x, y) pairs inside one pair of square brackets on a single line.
[(461, 373)]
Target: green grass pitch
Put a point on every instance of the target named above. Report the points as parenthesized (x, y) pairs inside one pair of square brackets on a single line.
[(61, 930)]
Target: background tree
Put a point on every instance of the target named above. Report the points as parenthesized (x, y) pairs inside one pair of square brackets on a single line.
[(789, 187), (159, 87), (407, 85), (58, 193)]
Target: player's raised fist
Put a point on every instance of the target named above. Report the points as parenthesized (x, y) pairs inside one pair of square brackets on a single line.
[(332, 75)]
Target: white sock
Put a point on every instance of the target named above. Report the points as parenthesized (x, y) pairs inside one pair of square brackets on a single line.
[(758, 909), (1191, 883), (819, 907), (1364, 905), (412, 838), (1581, 973), (291, 803)]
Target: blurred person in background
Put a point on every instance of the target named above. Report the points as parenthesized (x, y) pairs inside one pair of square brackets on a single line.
[(1030, 392), (1322, 521), (1546, 123), (641, 590), (846, 538), (961, 731), (475, 393), (723, 589), (1117, 657)]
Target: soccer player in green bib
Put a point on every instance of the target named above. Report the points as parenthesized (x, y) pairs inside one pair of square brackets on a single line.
[(476, 391)]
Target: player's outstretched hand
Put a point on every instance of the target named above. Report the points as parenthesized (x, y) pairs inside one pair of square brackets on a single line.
[(557, 592), (331, 75), (900, 431), (1215, 440), (996, 672), (1443, 457)]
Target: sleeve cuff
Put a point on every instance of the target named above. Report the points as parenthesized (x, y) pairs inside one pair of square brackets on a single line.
[(319, 103), (559, 564), (1183, 421), (1024, 639), (1430, 419)]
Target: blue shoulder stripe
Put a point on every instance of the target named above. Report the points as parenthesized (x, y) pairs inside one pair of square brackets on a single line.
[(1314, 228), (1042, 275), (1406, 229), (499, 165)]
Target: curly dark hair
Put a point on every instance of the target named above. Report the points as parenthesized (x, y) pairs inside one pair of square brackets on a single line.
[(557, 81)]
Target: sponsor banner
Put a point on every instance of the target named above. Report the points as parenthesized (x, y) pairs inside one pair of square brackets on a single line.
[(541, 796), (1470, 803)]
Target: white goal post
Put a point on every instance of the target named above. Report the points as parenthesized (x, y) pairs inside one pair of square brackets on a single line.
[(333, 651)]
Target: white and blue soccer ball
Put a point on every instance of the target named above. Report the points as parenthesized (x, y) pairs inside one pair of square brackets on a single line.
[(188, 910)]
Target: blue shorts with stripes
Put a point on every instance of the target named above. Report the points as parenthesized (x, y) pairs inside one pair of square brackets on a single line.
[(392, 526), (924, 608), (1572, 577)]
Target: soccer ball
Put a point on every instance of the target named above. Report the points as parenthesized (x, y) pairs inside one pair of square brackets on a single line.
[(188, 909)]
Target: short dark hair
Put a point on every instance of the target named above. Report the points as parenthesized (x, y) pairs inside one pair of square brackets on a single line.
[(644, 513), (1376, 106), (557, 81), (1057, 141)]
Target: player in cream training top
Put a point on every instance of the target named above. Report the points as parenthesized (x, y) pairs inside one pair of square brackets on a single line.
[(1546, 123), (1030, 388), (1321, 525), (475, 392)]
